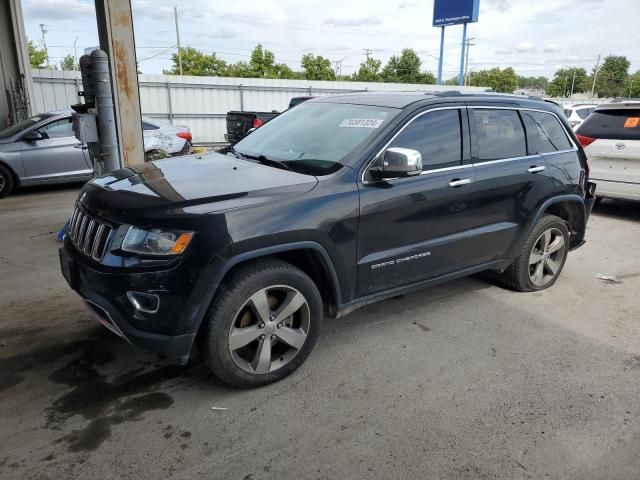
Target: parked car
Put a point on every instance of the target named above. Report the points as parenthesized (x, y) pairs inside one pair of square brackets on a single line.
[(44, 150), (611, 139), (239, 124), (334, 204), (576, 114)]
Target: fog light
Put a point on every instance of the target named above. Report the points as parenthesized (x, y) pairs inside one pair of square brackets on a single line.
[(144, 302)]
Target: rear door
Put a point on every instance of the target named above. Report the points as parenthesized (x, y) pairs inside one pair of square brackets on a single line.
[(415, 228), (614, 151), (57, 156), (509, 186)]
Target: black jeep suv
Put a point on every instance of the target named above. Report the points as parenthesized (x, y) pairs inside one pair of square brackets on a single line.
[(337, 203)]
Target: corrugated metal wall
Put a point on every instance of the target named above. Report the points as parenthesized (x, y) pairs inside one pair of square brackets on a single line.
[(202, 102)]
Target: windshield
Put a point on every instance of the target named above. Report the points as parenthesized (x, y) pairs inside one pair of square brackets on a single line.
[(315, 138), (20, 126)]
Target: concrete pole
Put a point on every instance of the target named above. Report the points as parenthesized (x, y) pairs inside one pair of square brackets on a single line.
[(595, 75), (175, 14), (441, 56), (464, 45), (109, 156)]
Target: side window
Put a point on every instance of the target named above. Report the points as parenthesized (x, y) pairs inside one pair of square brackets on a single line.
[(500, 134), (57, 129), (149, 126), (437, 136), (544, 133)]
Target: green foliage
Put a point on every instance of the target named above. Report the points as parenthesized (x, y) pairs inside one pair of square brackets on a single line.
[(632, 87), (537, 83), (196, 63), (560, 86), (451, 81), (317, 67), (37, 56), (503, 81), (405, 68), (369, 71), (68, 63), (612, 77)]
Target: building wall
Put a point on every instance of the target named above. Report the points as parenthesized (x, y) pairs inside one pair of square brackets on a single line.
[(202, 102)]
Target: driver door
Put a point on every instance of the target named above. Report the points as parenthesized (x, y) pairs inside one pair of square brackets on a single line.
[(56, 156), (415, 228)]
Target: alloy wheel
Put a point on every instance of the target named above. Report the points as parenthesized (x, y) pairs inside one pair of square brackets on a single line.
[(269, 329), (546, 257)]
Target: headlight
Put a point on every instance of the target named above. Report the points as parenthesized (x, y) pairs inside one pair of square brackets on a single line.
[(155, 241)]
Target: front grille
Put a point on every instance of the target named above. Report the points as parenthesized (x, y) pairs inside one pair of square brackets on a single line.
[(88, 234)]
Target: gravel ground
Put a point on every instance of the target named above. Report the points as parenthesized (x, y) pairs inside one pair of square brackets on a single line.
[(464, 380)]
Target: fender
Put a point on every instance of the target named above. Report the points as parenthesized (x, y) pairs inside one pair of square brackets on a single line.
[(560, 198), (214, 281)]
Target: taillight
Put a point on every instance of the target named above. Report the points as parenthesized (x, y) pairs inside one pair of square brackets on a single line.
[(585, 141), (186, 135), (257, 122)]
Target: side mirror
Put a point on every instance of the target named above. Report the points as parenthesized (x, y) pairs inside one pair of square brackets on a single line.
[(400, 162), (33, 136)]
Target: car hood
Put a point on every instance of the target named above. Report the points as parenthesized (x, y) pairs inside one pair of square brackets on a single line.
[(191, 184)]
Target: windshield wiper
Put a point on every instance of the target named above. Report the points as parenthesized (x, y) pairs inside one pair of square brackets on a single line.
[(234, 152), (268, 161)]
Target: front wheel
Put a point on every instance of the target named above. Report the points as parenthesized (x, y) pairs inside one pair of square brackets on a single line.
[(264, 322), (6, 181), (542, 257)]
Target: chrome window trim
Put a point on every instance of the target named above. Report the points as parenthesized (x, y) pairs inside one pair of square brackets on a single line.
[(457, 167)]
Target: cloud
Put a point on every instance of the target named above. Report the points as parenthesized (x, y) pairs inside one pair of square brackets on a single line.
[(551, 48), (503, 52), (402, 6), (500, 5), (223, 33), (352, 22), (151, 10), (60, 9), (525, 47)]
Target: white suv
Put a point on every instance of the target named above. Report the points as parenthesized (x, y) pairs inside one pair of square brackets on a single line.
[(576, 114), (611, 139)]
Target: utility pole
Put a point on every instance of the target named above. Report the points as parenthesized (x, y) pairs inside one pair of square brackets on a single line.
[(43, 33), (175, 15), (630, 88), (367, 52), (573, 82), (75, 54), (466, 61), (595, 75)]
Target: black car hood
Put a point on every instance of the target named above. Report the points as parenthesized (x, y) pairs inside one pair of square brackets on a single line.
[(191, 184)]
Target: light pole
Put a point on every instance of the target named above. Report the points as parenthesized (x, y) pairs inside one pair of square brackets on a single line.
[(75, 53)]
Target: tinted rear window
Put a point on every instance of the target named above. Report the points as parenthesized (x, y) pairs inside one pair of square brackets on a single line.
[(500, 134), (544, 133), (612, 124)]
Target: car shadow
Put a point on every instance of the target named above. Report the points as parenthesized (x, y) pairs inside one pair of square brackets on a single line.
[(41, 189), (618, 209)]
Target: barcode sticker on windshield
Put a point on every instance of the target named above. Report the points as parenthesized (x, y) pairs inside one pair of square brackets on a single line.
[(361, 123)]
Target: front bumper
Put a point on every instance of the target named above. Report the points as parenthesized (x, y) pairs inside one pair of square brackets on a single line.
[(105, 292)]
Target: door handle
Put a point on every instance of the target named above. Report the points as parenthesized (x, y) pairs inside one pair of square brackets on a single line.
[(83, 147), (456, 182), (535, 169)]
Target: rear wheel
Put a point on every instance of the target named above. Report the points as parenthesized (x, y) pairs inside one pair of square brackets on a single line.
[(263, 324), (542, 257), (6, 181)]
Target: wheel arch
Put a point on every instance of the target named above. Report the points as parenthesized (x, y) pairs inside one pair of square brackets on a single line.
[(572, 210), (12, 172)]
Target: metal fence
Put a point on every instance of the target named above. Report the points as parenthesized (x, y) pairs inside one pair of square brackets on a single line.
[(202, 102)]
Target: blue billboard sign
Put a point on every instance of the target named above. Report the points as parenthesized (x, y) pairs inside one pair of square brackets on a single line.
[(453, 12)]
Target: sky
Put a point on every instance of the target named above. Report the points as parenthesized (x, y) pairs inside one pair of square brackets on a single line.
[(534, 37)]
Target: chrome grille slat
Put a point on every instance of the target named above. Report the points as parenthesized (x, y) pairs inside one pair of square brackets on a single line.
[(88, 234)]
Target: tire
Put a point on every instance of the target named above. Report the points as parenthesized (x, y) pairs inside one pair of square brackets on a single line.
[(6, 181), (235, 312), (525, 276), (598, 201)]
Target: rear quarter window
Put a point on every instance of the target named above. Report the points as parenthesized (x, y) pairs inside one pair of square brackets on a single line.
[(612, 124), (545, 134)]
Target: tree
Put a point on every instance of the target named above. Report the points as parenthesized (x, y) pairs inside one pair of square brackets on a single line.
[(369, 71), (197, 63), (406, 69), (612, 76), (36, 56), (68, 63), (537, 83), (632, 87), (503, 81), (563, 79), (317, 67)]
